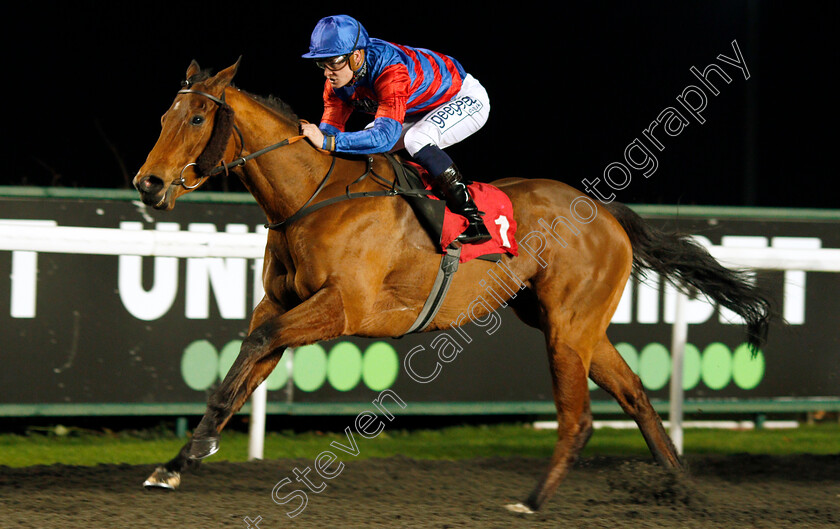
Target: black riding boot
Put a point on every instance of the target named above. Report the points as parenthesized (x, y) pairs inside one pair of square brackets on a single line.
[(458, 200)]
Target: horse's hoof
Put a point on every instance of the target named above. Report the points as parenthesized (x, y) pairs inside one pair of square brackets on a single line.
[(163, 479), (201, 448), (519, 507)]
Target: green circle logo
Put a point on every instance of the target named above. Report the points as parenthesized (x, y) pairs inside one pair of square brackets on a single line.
[(654, 366), (381, 366), (716, 366), (692, 369), (344, 367), (200, 365), (308, 367), (747, 371)]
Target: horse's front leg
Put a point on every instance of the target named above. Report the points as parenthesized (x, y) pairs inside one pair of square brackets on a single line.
[(319, 318)]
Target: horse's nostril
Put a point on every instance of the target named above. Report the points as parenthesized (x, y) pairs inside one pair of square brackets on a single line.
[(150, 184)]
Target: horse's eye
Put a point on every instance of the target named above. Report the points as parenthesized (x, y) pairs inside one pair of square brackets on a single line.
[(197, 120)]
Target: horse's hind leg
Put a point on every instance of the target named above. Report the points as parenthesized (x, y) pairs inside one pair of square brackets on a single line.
[(574, 419), (611, 372)]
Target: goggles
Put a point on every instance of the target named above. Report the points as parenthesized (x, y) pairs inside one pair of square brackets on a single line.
[(332, 63)]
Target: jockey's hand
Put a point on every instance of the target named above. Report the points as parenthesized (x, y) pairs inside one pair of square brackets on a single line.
[(314, 134)]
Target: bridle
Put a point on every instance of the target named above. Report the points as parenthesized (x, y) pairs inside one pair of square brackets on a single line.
[(221, 166)]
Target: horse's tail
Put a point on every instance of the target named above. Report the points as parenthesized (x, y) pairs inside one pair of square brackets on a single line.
[(685, 263)]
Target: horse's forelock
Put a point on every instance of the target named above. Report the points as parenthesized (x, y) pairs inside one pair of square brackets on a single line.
[(200, 76)]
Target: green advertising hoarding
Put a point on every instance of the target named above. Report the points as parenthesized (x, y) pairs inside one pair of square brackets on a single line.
[(129, 334)]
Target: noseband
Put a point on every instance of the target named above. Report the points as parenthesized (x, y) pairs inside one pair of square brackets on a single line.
[(211, 161)]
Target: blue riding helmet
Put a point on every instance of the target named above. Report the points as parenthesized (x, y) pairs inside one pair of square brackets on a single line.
[(336, 35)]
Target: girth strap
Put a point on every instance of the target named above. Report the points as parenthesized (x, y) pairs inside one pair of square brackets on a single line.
[(448, 267)]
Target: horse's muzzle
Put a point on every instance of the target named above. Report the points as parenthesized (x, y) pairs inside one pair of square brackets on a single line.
[(152, 190)]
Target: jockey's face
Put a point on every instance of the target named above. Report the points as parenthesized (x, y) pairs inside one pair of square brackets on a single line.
[(337, 69)]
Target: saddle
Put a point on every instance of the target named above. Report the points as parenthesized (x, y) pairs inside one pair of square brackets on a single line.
[(444, 227)]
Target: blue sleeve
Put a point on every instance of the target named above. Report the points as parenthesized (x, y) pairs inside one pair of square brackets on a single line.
[(328, 129), (381, 137)]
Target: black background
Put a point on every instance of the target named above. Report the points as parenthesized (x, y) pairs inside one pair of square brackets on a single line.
[(570, 85)]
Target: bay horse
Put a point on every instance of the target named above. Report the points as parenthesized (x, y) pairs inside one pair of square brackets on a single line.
[(364, 267)]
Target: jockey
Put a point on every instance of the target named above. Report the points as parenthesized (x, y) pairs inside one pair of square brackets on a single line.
[(421, 100)]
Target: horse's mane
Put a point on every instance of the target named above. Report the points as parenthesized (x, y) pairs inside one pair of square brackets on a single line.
[(274, 103)]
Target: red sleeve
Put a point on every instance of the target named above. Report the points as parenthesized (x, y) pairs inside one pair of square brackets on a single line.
[(392, 88), (336, 111)]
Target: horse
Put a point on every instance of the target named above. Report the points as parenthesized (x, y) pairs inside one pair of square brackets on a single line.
[(365, 266)]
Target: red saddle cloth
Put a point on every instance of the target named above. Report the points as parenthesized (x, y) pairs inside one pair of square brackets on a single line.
[(498, 217)]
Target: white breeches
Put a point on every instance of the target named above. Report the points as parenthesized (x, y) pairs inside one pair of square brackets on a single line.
[(449, 123)]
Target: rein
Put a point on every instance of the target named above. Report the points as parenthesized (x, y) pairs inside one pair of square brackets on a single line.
[(393, 190), (393, 187)]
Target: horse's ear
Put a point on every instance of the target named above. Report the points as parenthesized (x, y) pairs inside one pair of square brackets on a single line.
[(193, 69), (225, 77)]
